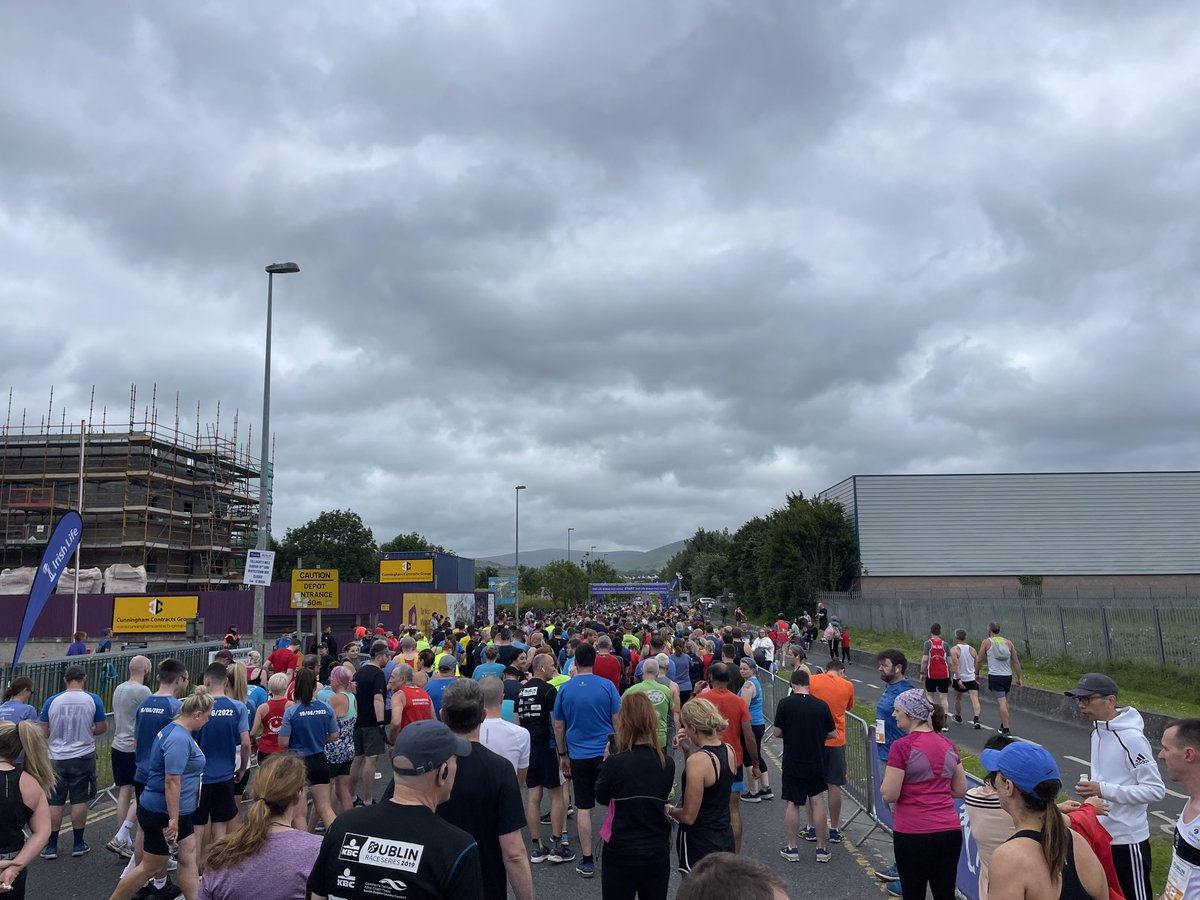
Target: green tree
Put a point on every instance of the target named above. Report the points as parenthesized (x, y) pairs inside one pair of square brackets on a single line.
[(412, 541), (598, 570), (807, 546), (564, 582), (335, 539), (482, 576), (703, 562)]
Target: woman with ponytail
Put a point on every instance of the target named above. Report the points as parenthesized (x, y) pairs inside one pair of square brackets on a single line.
[(22, 802), (1045, 859), (267, 859), (923, 777), (169, 799)]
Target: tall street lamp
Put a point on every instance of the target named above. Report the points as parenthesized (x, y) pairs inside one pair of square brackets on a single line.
[(517, 555), (286, 268), (569, 530)]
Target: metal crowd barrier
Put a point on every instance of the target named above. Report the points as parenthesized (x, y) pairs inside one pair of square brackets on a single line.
[(864, 775)]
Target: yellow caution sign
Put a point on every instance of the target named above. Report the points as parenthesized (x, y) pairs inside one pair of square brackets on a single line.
[(153, 615), (406, 571), (314, 588)]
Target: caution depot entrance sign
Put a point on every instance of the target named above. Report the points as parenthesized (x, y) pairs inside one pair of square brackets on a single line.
[(314, 588)]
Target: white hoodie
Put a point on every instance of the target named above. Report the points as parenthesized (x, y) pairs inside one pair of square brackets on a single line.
[(1123, 763)]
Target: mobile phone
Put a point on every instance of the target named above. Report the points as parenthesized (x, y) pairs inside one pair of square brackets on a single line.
[(612, 744)]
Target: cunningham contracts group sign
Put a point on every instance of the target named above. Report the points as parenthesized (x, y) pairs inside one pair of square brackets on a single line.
[(59, 548)]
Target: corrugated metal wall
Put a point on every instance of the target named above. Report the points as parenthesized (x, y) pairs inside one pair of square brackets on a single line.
[(1112, 523)]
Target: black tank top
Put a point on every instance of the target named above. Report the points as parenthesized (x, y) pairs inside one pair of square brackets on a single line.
[(13, 812), (1072, 888), (713, 815)]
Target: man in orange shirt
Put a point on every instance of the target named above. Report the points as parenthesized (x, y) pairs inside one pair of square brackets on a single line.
[(735, 711), (838, 693)]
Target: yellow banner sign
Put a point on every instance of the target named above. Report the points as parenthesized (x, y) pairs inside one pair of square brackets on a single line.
[(406, 571), (419, 609), (314, 588), (152, 615)]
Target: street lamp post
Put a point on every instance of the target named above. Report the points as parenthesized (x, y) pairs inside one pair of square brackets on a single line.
[(272, 270), (569, 530), (517, 555)]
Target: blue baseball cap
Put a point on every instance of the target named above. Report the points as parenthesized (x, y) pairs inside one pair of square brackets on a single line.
[(1024, 764)]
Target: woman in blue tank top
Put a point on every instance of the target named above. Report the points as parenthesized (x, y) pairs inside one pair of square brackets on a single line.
[(752, 693)]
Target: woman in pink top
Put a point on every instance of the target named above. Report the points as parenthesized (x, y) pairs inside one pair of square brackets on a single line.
[(924, 775)]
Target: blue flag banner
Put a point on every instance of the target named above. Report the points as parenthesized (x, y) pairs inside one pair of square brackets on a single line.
[(59, 550)]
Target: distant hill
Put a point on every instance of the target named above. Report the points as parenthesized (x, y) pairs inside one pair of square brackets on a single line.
[(629, 562)]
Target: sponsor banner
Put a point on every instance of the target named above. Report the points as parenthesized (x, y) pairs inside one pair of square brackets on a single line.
[(419, 608), (59, 549), (503, 588), (654, 587), (406, 571), (240, 655), (153, 615)]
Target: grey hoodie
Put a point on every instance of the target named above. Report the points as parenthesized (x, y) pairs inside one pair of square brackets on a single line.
[(1123, 763)]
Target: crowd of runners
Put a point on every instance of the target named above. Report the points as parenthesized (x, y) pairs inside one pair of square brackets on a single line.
[(454, 760)]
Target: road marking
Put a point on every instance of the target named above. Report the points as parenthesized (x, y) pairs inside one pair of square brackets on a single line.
[(1082, 762), (1163, 816), (1176, 794)]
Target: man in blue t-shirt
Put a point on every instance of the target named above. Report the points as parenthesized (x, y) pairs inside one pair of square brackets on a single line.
[(71, 720), (892, 664), (585, 714), (436, 686), (225, 741)]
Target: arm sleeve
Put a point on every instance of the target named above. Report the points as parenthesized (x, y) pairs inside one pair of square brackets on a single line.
[(285, 727), (465, 881), (243, 718), (45, 715), (558, 710), (1149, 785), (100, 715), (614, 700), (523, 757), (175, 756)]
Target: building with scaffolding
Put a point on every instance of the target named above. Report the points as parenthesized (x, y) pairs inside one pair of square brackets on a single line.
[(182, 505)]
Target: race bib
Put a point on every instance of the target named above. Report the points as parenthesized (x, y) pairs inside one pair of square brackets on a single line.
[(1177, 879), (880, 734)]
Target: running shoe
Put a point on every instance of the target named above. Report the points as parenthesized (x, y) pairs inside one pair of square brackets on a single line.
[(809, 834), (570, 810), (958, 719), (538, 854), (586, 868), (123, 849), (791, 854), (823, 855), (49, 852), (890, 873), (835, 835), (751, 797), (169, 891), (81, 849), (894, 889), (172, 863), (765, 794), (545, 819), (1005, 731), (977, 725), (561, 854)]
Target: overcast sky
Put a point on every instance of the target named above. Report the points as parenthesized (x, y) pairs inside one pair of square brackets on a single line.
[(662, 262)]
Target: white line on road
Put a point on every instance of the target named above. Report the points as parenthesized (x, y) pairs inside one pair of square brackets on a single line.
[(1162, 816), (1082, 762), (1176, 794)]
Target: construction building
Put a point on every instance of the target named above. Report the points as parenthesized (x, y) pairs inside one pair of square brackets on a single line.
[(184, 506)]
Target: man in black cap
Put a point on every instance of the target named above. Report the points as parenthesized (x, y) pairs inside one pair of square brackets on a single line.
[(1125, 774), (402, 847)]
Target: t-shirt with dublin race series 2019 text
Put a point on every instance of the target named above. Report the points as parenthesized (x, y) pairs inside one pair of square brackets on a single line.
[(390, 850)]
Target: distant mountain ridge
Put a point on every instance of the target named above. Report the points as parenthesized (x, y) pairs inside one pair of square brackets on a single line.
[(630, 562)]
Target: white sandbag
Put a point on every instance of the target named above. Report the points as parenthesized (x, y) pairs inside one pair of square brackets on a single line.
[(122, 578), (91, 581), (17, 581)]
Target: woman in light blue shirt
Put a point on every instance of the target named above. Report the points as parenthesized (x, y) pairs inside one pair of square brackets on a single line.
[(169, 799), (15, 707), (752, 693)]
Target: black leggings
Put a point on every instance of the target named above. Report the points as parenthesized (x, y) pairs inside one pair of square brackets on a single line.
[(624, 879), (928, 859), (845, 653)]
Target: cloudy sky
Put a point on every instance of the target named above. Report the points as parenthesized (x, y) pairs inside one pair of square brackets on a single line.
[(662, 262)]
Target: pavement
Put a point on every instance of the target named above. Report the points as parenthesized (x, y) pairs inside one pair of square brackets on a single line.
[(846, 877)]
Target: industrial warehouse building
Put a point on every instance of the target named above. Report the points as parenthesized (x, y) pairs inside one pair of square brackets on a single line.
[(1007, 536)]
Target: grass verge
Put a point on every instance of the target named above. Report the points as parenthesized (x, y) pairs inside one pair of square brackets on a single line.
[(1167, 690)]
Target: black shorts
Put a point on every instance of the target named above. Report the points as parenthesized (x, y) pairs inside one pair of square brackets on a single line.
[(835, 765), (152, 825), (216, 803), (937, 685), (543, 769), (798, 790), (964, 687), (239, 786), (76, 780), (369, 741), (583, 775), (318, 768), (123, 766), (1000, 685), (340, 770)]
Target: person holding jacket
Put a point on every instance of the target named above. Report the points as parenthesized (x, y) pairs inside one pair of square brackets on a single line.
[(1124, 773), (635, 783)]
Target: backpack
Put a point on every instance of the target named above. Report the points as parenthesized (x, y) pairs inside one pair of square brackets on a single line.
[(1000, 646)]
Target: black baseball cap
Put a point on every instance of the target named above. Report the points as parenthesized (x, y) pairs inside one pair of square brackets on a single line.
[(427, 744), (1094, 684)]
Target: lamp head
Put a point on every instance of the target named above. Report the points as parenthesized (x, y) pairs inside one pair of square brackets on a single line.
[(283, 268)]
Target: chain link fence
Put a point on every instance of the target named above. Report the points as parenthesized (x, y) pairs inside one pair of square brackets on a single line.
[(1130, 631)]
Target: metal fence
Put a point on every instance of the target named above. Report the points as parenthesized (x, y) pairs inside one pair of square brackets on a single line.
[(1127, 632)]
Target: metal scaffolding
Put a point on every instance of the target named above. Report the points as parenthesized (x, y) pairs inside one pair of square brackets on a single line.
[(183, 505)]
